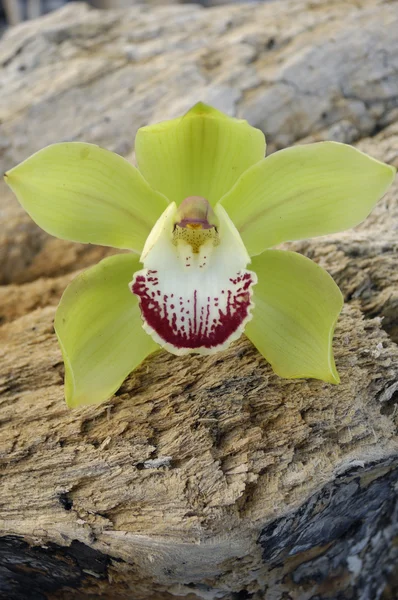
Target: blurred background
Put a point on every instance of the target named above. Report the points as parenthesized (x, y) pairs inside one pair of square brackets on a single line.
[(15, 11)]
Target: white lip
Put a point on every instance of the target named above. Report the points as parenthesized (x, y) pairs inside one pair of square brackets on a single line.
[(194, 301)]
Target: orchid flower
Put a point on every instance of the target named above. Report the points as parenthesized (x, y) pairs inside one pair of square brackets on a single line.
[(202, 206)]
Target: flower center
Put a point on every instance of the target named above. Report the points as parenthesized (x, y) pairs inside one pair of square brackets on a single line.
[(196, 224)]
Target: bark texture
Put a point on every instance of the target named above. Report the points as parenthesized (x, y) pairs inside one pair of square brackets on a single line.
[(202, 477)]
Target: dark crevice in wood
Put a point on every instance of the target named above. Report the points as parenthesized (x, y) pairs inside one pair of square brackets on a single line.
[(351, 524), (30, 573)]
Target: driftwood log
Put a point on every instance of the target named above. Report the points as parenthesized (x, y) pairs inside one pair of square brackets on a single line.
[(202, 477)]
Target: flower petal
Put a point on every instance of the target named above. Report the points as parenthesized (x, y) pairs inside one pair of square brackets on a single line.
[(305, 191), (99, 329), (83, 193), (194, 297), (297, 304), (200, 154)]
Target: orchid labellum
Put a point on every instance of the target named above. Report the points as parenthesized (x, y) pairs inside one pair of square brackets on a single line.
[(200, 214)]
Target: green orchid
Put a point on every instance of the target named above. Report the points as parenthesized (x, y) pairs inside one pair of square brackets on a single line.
[(202, 205)]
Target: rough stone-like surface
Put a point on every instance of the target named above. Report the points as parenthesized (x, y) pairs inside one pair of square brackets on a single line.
[(203, 477)]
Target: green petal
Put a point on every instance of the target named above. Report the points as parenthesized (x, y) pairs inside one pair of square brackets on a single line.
[(83, 193), (305, 191), (202, 153), (296, 308), (99, 328)]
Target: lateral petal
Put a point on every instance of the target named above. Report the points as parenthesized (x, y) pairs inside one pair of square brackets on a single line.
[(297, 304), (305, 191), (83, 193), (99, 329)]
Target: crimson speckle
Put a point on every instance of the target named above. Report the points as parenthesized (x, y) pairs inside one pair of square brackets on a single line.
[(208, 324)]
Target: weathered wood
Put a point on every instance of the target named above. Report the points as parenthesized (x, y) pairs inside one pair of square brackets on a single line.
[(202, 477)]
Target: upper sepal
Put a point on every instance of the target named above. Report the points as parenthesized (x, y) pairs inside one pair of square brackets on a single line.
[(202, 153)]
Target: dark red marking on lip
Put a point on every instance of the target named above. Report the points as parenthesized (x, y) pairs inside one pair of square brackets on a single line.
[(204, 324)]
